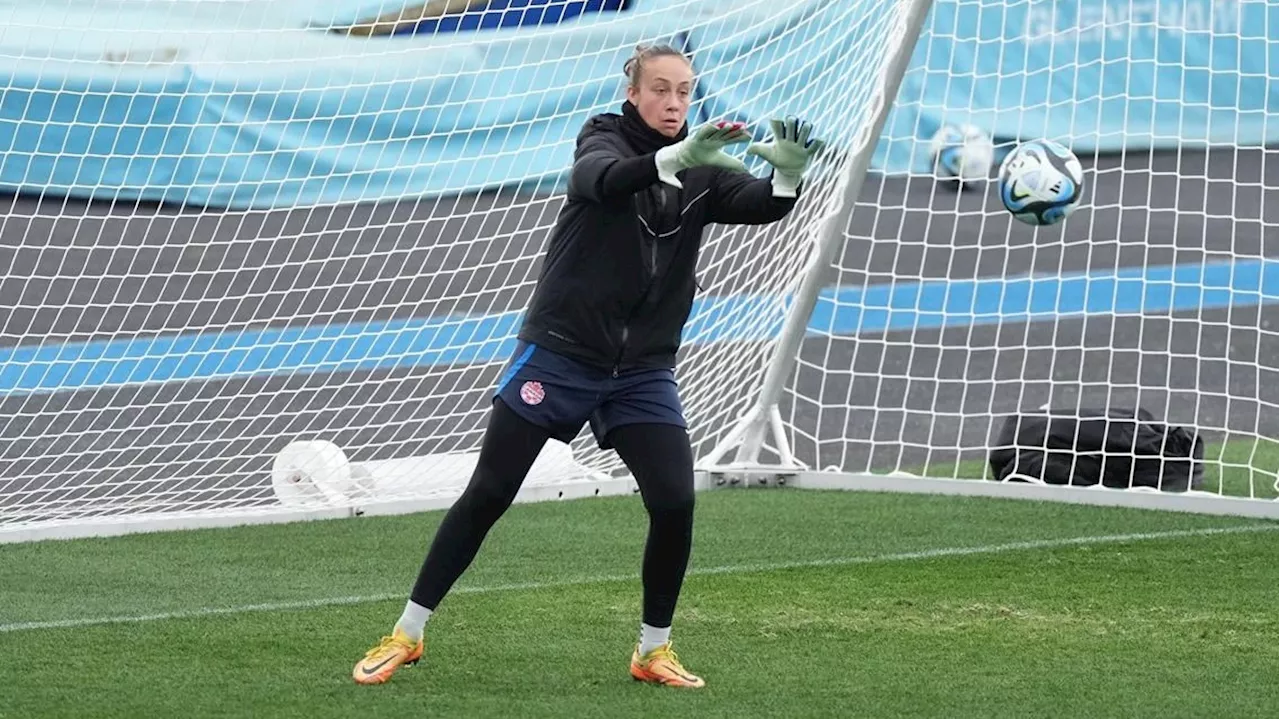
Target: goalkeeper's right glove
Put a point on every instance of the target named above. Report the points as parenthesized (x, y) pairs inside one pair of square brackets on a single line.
[(705, 146)]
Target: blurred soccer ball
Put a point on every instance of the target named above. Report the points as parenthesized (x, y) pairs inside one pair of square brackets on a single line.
[(963, 153), (1041, 182)]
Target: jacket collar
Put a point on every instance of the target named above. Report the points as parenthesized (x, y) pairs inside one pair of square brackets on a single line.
[(641, 136)]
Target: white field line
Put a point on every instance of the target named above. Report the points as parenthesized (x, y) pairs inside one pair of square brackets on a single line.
[(601, 579)]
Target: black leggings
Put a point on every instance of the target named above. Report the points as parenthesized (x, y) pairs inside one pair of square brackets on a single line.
[(660, 459)]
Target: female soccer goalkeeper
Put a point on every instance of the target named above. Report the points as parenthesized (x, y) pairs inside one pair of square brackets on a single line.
[(599, 340)]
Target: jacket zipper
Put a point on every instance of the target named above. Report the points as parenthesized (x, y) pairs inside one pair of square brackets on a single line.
[(653, 276), (626, 325), (626, 330)]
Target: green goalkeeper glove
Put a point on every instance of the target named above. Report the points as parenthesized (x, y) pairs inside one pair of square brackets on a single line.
[(705, 146), (790, 153)]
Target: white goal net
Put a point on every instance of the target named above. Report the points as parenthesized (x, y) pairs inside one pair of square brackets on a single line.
[(256, 265), (1158, 296)]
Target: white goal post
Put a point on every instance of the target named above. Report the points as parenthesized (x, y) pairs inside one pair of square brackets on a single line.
[(259, 268)]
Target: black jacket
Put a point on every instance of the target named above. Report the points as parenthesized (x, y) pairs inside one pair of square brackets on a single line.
[(617, 282)]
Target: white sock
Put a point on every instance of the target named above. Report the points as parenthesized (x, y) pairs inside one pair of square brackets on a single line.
[(413, 620), (653, 637)]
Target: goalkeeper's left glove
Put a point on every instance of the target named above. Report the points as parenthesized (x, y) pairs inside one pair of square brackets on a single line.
[(790, 153)]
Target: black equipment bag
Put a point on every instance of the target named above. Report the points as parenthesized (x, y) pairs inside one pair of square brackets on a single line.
[(1115, 447)]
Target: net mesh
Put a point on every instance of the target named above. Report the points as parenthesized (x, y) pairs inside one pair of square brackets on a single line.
[(1159, 295), (159, 356), (171, 329)]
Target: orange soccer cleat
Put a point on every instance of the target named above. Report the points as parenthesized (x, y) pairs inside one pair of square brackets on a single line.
[(662, 666), (393, 652)]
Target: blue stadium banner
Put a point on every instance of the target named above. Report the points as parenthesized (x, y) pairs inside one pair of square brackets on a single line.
[(255, 104)]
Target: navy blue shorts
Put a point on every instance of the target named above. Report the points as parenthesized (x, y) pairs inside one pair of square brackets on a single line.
[(560, 394)]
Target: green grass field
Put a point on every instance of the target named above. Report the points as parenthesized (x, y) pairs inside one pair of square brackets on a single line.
[(799, 604)]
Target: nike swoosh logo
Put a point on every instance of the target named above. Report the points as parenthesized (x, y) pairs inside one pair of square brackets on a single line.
[(374, 669)]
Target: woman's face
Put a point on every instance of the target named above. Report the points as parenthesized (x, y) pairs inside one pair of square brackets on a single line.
[(664, 92)]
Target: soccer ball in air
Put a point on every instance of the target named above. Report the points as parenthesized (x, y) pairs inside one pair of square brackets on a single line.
[(1041, 182), (963, 153)]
